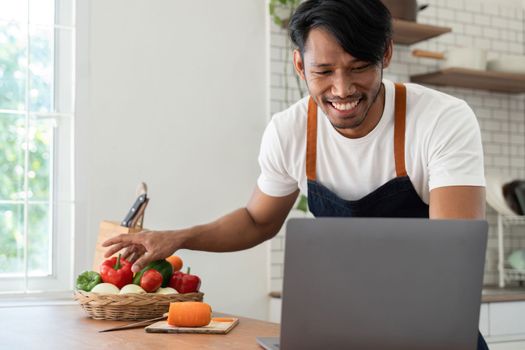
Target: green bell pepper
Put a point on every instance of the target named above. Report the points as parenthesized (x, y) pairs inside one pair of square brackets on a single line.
[(162, 266), (87, 280)]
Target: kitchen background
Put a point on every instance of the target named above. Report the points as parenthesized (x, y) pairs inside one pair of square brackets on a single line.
[(177, 94), (498, 27)]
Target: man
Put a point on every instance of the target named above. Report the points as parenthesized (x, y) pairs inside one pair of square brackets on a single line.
[(359, 145)]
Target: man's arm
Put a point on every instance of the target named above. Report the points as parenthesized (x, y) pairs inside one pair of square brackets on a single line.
[(244, 228), (457, 202)]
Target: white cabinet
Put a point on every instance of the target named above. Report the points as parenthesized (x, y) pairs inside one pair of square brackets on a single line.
[(506, 325), (275, 310), (507, 346), (484, 319), (507, 318)]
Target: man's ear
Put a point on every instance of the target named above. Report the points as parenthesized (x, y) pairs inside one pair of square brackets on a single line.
[(388, 54), (298, 64)]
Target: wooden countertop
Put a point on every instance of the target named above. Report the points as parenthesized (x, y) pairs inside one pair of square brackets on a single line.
[(490, 294), (69, 327)]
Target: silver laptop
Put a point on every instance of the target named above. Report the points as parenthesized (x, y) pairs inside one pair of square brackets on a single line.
[(382, 284)]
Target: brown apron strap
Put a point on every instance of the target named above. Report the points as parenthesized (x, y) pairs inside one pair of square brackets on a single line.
[(399, 129), (399, 134), (311, 140)]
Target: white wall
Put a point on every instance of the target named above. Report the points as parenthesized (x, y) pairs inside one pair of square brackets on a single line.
[(173, 93)]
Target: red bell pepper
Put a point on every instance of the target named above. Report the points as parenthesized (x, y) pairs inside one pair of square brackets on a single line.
[(184, 282), (116, 271)]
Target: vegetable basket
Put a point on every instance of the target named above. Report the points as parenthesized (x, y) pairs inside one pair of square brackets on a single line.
[(128, 307), (133, 306)]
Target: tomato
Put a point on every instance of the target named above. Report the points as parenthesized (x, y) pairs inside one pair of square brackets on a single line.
[(151, 280)]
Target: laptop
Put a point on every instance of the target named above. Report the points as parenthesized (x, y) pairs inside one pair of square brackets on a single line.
[(382, 284)]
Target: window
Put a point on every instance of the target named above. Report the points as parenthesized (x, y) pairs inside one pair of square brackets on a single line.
[(36, 148)]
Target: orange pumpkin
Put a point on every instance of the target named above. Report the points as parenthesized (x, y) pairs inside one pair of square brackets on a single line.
[(189, 314)]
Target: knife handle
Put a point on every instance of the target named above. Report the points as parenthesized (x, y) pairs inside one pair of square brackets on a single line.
[(133, 211), (138, 219), (136, 324)]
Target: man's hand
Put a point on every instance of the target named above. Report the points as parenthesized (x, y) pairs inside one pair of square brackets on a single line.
[(133, 252), (145, 246)]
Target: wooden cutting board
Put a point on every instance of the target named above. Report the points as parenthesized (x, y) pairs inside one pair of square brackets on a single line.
[(213, 328)]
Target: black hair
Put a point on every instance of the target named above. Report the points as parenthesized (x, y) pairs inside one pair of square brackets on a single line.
[(363, 28)]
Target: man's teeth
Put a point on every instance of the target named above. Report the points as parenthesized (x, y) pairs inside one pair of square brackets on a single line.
[(345, 106)]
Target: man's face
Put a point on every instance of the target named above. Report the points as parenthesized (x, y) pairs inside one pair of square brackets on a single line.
[(344, 87)]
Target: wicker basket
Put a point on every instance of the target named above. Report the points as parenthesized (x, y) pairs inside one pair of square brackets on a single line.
[(128, 307)]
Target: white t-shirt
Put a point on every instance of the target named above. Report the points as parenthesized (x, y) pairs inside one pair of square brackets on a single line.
[(442, 148)]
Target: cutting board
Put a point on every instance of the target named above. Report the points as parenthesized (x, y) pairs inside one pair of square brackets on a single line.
[(213, 328)]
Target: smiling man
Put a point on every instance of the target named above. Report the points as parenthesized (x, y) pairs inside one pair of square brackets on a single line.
[(358, 145)]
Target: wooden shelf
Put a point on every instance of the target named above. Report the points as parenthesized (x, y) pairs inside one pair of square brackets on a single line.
[(408, 33), (474, 79)]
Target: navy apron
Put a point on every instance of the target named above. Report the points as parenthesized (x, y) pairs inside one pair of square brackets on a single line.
[(396, 198)]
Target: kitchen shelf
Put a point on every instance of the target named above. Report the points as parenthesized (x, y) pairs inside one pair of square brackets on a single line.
[(514, 275), (514, 220), (474, 79), (506, 274), (408, 33)]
